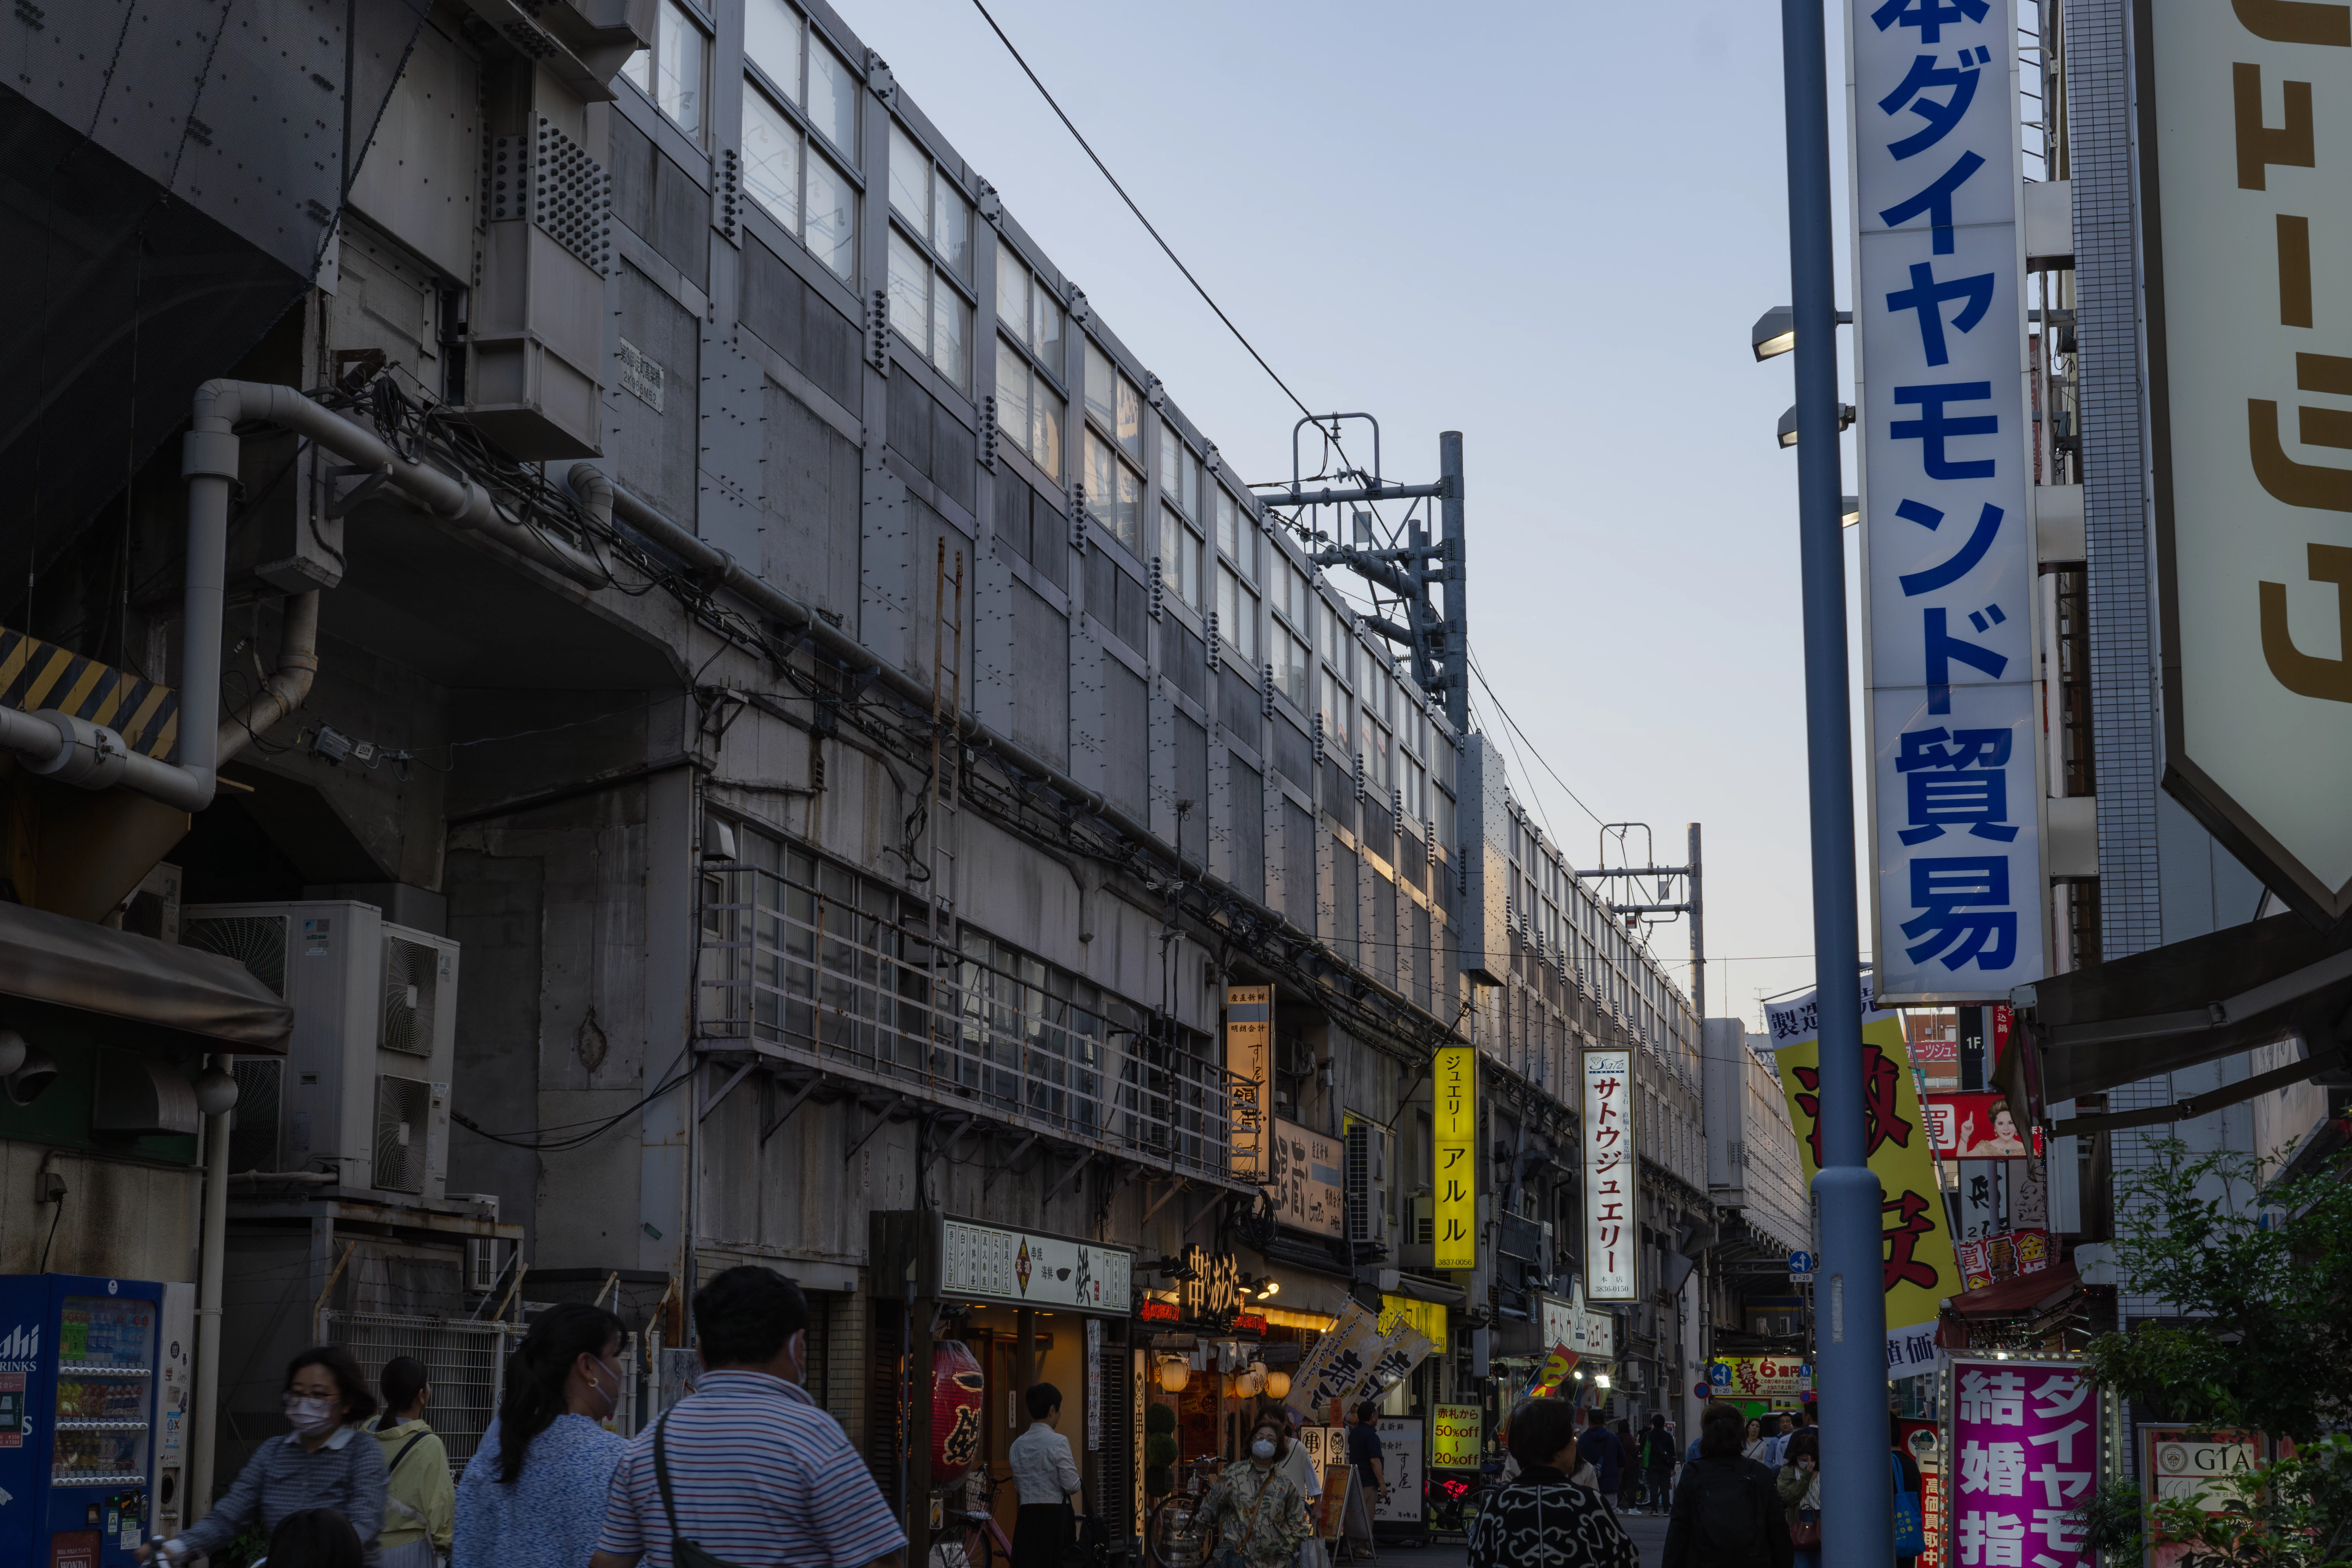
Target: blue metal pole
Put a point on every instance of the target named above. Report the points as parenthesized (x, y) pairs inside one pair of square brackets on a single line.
[(1850, 1362)]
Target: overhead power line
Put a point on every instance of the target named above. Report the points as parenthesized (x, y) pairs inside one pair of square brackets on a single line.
[(1170, 250)]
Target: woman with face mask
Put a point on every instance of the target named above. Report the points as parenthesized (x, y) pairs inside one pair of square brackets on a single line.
[(324, 1462), (533, 1494), (1253, 1515)]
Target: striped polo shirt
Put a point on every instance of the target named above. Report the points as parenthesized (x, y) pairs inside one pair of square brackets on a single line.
[(761, 1478)]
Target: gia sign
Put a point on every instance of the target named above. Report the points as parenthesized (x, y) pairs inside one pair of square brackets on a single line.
[(2247, 176), (1948, 540)]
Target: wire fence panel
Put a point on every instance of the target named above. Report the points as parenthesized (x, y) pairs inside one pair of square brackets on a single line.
[(839, 969), (464, 1367)]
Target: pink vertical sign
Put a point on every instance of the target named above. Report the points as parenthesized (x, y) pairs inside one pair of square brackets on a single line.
[(2025, 1452)]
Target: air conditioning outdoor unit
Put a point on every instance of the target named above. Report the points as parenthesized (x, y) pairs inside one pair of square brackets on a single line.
[(1368, 1184), (364, 1089)]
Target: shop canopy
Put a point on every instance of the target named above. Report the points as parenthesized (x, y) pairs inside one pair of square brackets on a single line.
[(2187, 1003), (2027, 1296), (92, 968)]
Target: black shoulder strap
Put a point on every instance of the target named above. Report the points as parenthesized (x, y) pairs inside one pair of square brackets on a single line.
[(661, 1475), (403, 1452)]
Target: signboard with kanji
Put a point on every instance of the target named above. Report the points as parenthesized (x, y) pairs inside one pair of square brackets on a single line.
[(1453, 1182), (2246, 174), (2026, 1439), (1249, 1052), (1918, 1264), (1948, 568), (1610, 1252), (1304, 1183)]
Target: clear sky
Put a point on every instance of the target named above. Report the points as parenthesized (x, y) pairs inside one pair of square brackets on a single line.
[(1548, 226)]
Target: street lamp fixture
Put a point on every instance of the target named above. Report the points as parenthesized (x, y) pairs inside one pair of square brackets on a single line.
[(1787, 432), (1775, 331), (1599, 1380)]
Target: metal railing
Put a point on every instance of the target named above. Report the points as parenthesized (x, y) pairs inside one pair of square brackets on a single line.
[(837, 977)]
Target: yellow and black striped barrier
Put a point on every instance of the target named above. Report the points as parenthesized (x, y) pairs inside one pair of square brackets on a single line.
[(34, 675)]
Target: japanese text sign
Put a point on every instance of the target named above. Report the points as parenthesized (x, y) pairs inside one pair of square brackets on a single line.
[(1454, 1181), (1455, 1437), (1429, 1317), (1920, 1441), (1770, 1377), (1249, 1047), (1919, 1268), (1304, 1181), (1341, 1359), (2025, 1450), (1609, 1177), (1974, 1126), (2247, 181), (1949, 566)]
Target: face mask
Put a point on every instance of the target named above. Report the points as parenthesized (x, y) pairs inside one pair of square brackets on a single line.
[(1262, 1449), (309, 1414)]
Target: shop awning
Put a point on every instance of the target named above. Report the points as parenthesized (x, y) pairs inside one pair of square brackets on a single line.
[(1303, 1290), (2023, 1297), (1396, 1282), (2190, 1002), (95, 969)]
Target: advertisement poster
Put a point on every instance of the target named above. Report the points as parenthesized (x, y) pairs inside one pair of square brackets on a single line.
[(1918, 1268), (1975, 1126), (1922, 1442), (1455, 1439), (2187, 1462), (1400, 1465), (1607, 1133), (1453, 1182), (2025, 1445), (1429, 1317), (1340, 1360), (1331, 1507), (1766, 1377), (1249, 1051)]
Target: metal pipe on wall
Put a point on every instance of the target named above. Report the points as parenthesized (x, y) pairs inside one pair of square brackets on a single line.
[(1852, 1357), (212, 1256)]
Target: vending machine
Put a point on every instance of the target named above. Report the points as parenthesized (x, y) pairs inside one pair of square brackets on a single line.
[(78, 1365)]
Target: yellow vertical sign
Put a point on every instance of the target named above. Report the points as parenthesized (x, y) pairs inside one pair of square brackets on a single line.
[(1249, 1047), (1453, 1181), (1915, 1241)]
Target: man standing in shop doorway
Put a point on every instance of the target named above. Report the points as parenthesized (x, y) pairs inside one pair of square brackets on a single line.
[(1364, 1454)]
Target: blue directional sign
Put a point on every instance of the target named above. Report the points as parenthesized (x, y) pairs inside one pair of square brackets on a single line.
[(1801, 1263)]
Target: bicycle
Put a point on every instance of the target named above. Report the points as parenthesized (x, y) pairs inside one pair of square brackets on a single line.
[(972, 1538)]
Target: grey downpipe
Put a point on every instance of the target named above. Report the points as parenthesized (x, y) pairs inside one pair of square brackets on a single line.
[(196, 1499), (77, 751), (606, 500), (298, 666)]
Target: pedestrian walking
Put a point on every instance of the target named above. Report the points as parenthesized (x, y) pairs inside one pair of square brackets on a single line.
[(323, 1463), (1657, 1465), (1726, 1511), (1253, 1515), (1364, 1455), (1299, 1466), (533, 1494), (1543, 1517), (747, 1469), (1800, 1488), (1047, 1477), (315, 1537), (420, 1505), (1779, 1427), (1629, 1469), (1759, 1446), (1598, 1447)]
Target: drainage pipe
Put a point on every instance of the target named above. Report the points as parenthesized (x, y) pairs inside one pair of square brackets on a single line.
[(298, 666), (77, 751)]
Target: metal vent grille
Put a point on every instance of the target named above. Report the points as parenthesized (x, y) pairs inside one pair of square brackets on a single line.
[(411, 991), (254, 1127), (549, 179), (402, 1105), (257, 941)]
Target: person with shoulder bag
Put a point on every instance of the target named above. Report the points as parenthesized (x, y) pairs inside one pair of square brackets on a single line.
[(1800, 1488), (1726, 1511), (420, 1504), (1910, 1520), (1254, 1515)]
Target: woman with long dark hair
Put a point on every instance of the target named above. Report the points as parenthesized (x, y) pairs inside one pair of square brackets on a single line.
[(419, 1505), (533, 1494), (1800, 1484), (324, 1462)]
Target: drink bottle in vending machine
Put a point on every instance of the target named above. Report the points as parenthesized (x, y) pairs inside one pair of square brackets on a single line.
[(79, 1364)]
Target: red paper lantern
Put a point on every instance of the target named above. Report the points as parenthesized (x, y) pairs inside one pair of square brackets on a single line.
[(957, 1385)]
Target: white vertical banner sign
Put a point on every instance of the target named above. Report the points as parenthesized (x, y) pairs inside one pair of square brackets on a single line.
[(1608, 1133), (1948, 568)]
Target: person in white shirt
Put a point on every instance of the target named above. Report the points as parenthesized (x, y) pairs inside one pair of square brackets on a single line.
[(1299, 1466), (1048, 1477)]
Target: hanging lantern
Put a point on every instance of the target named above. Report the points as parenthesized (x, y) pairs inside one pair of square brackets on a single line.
[(1174, 1374), (1277, 1385), (957, 1385)]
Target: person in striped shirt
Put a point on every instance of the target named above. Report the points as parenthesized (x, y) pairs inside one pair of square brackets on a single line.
[(759, 1476)]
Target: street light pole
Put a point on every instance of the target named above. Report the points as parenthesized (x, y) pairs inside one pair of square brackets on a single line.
[(1850, 1365)]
